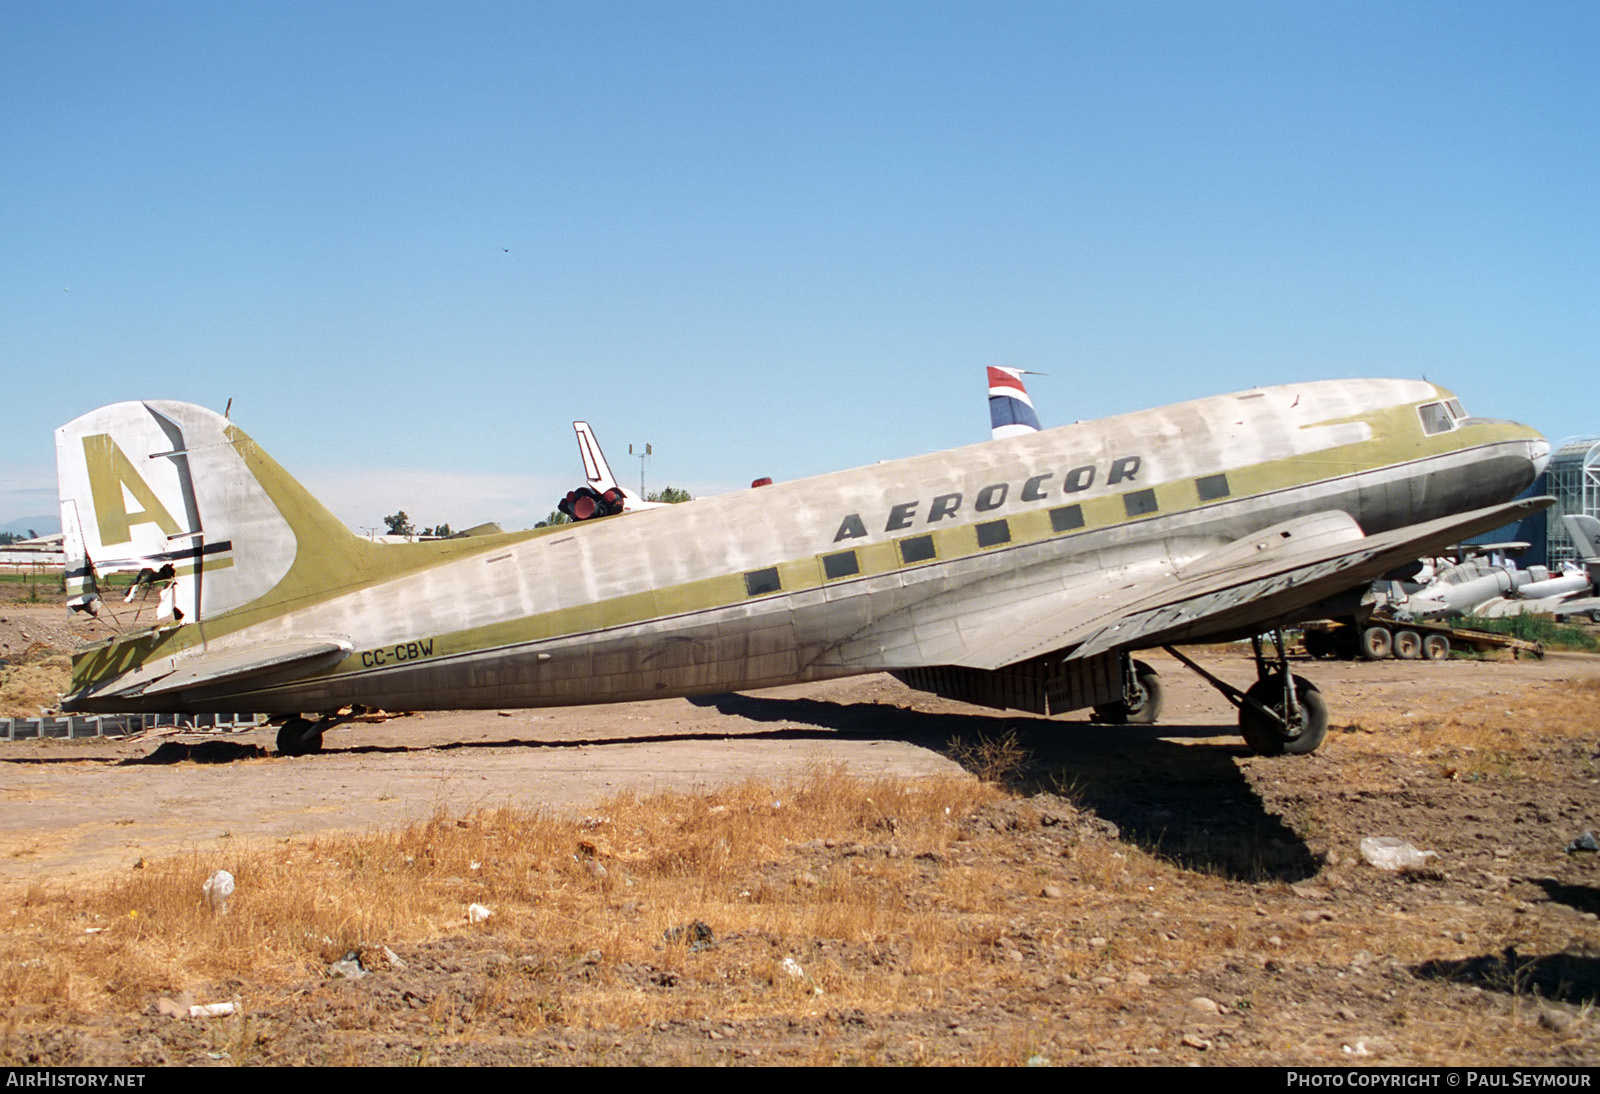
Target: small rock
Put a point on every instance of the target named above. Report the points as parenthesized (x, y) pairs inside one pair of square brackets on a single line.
[(1558, 1021), (1194, 1040), (1052, 892), (477, 913), (1585, 842), (1205, 1005)]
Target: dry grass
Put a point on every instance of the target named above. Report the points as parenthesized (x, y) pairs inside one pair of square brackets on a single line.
[(559, 890)]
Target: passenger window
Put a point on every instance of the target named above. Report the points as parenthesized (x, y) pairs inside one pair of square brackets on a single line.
[(993, 533), (1139, 502), (1066, 518), (761, 582), (843, 564), (917, 549), (1212, 487)]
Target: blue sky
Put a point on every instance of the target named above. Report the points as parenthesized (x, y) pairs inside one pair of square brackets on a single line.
[(413, 241)]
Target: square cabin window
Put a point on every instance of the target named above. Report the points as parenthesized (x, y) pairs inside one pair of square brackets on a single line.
[(917, 549), (762, 582), (1139, 503), (993, 533), (843, 564), (1065, 518), (1212, 487)]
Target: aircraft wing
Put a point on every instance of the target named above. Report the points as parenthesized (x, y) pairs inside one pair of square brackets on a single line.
[(1251, 583)]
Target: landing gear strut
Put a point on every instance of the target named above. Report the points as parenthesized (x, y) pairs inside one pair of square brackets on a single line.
[(1281, 714), (1141, 697)]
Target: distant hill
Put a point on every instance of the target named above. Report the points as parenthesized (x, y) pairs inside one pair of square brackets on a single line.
[(46, 525)]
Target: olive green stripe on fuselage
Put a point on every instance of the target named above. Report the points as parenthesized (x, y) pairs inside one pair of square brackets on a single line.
[(1027, 528)]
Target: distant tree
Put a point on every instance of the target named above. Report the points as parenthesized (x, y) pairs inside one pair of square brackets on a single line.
[(669, 494), (7, 537), (556, 517), (438, 531), (399, 524)]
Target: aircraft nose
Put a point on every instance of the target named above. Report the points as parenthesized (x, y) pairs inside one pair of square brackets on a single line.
[(1539, 453)]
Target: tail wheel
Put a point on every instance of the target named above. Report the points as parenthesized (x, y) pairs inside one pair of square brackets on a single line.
[(1407, 645), (1141, 707), (1435, 647), (1297, 736), (299, 737), (1376, 644)]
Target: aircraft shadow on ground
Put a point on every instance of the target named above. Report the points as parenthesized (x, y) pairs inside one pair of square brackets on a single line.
[(1188, 804), (200, 752), (1563, 977)]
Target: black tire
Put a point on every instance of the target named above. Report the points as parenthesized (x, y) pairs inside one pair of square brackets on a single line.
[(1407, 645), (299, 737), (1377, 644), (1435, 647), (1139, 709), (1267, 736)]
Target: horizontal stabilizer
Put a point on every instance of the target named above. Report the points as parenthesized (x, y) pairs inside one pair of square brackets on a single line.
[(286, 660)]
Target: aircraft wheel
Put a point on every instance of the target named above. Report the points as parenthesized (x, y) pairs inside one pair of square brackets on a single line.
[(299, 737), (1376, 644), (1407, 645), (1435, 647), (1594, 616), (1267, 736), (1142, 708)]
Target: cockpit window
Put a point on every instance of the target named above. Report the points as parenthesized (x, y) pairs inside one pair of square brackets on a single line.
[(1454, 407), (1435, 419)]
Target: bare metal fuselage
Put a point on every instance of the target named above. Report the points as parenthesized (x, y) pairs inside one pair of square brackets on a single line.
[(882, 568)]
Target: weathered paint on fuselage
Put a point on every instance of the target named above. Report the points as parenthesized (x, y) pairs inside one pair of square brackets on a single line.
[(854, 571)]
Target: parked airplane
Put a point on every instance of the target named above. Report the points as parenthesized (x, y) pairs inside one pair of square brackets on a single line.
[(1018, 573), (1479, 585)]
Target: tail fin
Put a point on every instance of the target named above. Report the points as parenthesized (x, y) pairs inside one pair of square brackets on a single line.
[(1010, 409), (597, 472), (1585, 533), (181, 497)]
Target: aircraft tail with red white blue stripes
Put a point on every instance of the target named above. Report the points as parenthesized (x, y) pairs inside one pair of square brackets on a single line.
[(1010, 409)]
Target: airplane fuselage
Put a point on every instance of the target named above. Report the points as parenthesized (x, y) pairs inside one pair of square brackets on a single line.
[(879, 568)]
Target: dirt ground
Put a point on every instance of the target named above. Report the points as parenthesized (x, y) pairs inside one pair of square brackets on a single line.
[(1165, 896)]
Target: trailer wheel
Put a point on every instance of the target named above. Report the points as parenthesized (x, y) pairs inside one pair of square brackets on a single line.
[(1435, 647), (1376, 644), (1407, 645)]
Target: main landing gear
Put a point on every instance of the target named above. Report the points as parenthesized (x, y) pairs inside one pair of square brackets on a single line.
[(1141, 697), (1280, 714), (301, 736)]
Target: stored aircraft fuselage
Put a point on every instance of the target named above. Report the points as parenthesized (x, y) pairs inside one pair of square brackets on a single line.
[(936, 560)]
